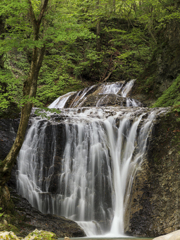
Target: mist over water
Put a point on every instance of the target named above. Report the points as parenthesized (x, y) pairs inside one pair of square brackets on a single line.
[(104, 148)]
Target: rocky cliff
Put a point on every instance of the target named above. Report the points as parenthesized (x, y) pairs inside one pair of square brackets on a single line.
[(154, 205), (26, 217), (154, 202)]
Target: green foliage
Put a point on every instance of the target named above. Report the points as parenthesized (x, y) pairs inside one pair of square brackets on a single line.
[(43, 112), (10, 88), (38, 235), (1, 214), (60, 26), (171, 96), (128, 38)]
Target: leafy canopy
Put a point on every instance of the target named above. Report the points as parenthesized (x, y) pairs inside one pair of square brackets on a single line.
[(59, 25)]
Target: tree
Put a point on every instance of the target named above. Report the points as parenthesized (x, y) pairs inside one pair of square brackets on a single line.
[(31, 26), (29, 92), (1, 31)]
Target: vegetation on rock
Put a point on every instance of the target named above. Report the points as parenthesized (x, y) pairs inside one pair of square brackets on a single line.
[(41, 235), (35, 235), (171, 96)]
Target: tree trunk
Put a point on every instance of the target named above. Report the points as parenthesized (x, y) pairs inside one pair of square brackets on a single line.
[(114, 6), (30, 87), (2, 24), (98, 30), (98, 41), (5, 200), (29, 92)]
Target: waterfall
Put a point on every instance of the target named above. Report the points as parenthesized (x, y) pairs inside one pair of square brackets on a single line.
[(61, 101), (81, 163)]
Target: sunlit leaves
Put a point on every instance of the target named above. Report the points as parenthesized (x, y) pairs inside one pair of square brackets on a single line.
[(36, 4)]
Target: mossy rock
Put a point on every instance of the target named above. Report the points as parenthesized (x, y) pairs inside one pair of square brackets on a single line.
[(41, 235), (8, 236), (4, 226)]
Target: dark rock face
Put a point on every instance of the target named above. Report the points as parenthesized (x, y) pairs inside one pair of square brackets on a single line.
[(32, 218), (53, 133), (8, 129), (105, 100), (154, 205)]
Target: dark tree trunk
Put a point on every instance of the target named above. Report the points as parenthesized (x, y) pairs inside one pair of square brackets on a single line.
[(2, 24), (29, 92), (98, 31)]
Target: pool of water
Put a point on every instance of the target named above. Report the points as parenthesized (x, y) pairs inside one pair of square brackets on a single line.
[(118, 238)]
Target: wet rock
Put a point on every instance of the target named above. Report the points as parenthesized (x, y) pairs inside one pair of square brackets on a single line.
[(107, 94), (104, 100), (66, 238), (8, 129), (154, 207), (31, 219)]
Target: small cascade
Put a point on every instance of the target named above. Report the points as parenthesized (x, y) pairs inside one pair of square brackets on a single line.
[(81, 163), (113, 88), (61, 101), (127, 88), (80, 97), (104, 95)]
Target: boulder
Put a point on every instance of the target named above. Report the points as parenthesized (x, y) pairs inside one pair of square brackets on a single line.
[(170, 236), (30, 219), (40, 235), (8, 236)]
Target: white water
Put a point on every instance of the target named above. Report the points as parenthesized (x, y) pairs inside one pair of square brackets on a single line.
[(103, 150), (127, 88), (112, 88), (61, 101), (80, 97)]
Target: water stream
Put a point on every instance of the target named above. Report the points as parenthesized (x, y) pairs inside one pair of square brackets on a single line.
[(88, 176)]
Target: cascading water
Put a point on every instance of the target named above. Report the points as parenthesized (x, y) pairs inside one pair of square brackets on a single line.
[(87, 177), (61, 101)]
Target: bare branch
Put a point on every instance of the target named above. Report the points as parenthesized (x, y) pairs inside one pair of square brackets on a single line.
[(42, 11), (109, 74)]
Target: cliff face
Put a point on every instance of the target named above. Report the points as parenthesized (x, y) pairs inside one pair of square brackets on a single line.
[(27, 217), (154, 205), (8, 129)]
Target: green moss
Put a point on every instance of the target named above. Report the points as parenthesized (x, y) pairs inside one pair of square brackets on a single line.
[(6, 235), (171, 96), (41, 235), (8, 227)]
